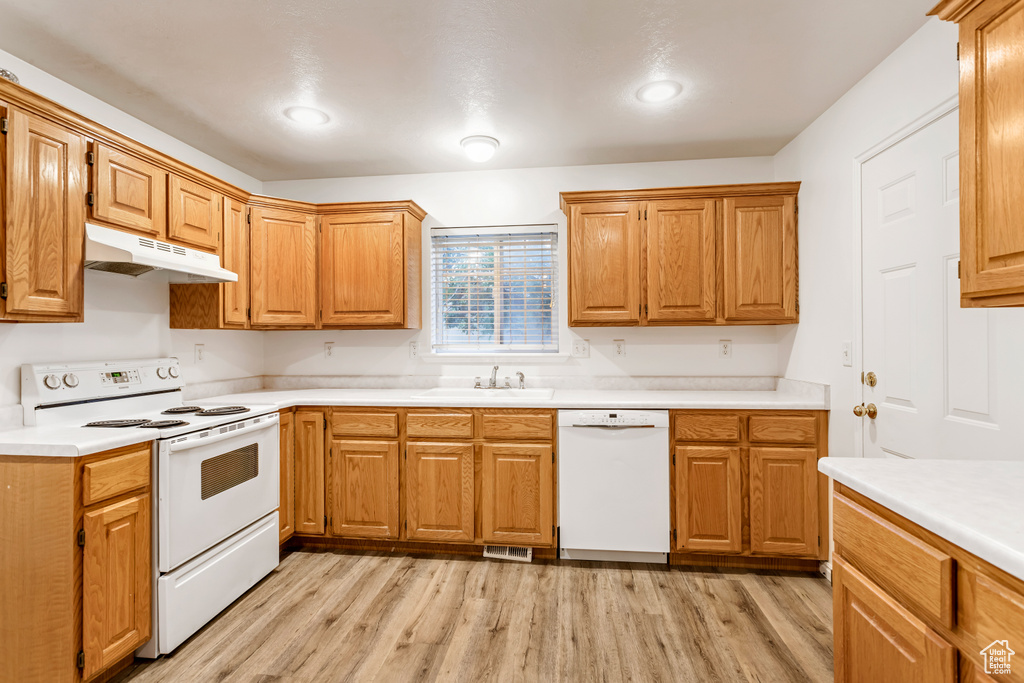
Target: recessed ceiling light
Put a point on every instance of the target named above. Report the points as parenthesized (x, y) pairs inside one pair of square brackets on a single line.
[(659, 91), (307, 116), (479, 147)]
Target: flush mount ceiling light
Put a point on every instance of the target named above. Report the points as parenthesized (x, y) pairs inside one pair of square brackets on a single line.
[(479, 148), (307, 116), (658, 91)]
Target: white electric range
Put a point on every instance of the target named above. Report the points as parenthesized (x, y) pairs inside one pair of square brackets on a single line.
[(215, 476)]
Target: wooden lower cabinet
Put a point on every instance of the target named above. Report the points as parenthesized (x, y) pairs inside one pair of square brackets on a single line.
[(516, 501), (708, 499), (310, 435), (363, 500), (784, 501), (286, 502), (439, 492)]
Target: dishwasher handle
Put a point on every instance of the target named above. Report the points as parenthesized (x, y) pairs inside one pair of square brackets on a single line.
[(615, 427)]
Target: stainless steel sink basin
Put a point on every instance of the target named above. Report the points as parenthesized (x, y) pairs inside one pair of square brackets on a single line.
[(488, 394)]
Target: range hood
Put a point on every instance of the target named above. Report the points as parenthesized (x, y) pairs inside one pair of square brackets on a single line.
[(114, 251)]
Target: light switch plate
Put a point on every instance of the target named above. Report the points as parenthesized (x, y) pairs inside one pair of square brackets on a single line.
[(200, 353), (848, 354)]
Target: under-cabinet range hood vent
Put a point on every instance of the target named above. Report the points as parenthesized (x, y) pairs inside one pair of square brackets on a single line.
[(114, 251)]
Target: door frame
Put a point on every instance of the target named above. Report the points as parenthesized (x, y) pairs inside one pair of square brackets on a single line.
[(946, 107)]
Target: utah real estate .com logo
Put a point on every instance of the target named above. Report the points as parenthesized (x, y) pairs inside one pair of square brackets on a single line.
[(997, 657)]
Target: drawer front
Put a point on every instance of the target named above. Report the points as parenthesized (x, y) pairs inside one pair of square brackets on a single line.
[(447, 425), (365, 424), (999, 616), (902, 563), (531, 426), (702, 427), (103, 479), (783, 428)]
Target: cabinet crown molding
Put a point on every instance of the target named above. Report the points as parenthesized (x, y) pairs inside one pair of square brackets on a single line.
[(953, 10), (703, 191)]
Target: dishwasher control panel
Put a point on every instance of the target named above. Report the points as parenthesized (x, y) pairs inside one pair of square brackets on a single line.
[(612, 418)]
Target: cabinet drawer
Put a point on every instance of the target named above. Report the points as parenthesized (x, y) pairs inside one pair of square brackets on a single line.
[(783, 428), (905, 565), (532, 426), (103, 479), (365, 424), (703, 427), (446, 425)]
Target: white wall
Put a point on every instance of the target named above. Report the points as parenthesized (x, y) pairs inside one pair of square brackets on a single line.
[(124, 318), (526, 196), (919, 76)]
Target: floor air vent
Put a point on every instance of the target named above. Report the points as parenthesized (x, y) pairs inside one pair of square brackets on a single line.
[(505, 552)]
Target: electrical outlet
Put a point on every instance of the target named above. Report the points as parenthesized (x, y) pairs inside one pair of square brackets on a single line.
[(414, 349), (328, 349), (620, 347), (200, 353), (581, 348), (725, 348), (848, 354)]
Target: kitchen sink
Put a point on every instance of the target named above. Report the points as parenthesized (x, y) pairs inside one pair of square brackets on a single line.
[(488, 394)]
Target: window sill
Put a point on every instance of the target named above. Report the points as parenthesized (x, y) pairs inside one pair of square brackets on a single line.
[(495, 358)]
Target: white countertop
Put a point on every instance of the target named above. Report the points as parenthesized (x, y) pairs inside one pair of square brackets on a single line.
[(77, 441), (974, 504)]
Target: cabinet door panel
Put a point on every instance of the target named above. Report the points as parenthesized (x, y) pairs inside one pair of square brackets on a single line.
[(236, 259), (439, 491), (759, 242), (517, 494), (195, 214), (877, 640), (708, 499), (283, 256), (286, 503), (681, 261), (604, 264), (116, 582), (310, 429), (45, 219), (364, 489), (363, 264), (784, 501), (129, 193)]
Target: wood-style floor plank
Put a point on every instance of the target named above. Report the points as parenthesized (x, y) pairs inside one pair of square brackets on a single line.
[(345, 616)]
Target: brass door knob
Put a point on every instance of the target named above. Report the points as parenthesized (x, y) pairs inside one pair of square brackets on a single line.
[(859, 410), (871, 379), (871, 410)]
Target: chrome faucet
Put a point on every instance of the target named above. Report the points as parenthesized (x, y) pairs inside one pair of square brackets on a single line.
[(494, 378), (522, 380)]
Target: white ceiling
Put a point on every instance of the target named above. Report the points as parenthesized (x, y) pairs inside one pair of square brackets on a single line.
[(405, 80)]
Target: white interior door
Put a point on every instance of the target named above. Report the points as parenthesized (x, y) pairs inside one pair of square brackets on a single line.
[(950, 380)]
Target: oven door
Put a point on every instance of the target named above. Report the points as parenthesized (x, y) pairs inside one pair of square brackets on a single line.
[(214, 483)]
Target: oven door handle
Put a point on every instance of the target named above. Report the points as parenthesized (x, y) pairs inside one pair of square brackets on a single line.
[(196, 443)]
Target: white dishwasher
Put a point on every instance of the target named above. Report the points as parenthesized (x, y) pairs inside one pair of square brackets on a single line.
[(613, 485)]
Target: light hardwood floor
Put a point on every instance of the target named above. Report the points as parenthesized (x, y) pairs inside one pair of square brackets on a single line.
[(338, 616)]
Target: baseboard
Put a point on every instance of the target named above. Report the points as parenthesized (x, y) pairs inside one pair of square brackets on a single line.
[(413, 548), (783, 564)]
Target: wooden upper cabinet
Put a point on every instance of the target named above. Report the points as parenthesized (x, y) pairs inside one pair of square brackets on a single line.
[(116, 582), (604, 264), (680, 261), (518, 489), (991, 149), (128, 193), (195, 217), (363, 261), (709, 503), (310, 493), (760, 259), (44, 222), (235, 295), (439, 492), (784, 501), (283, 265), (364, 489), (879, 640)]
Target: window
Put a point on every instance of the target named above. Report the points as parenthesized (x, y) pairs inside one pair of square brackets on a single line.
[(494, 289)]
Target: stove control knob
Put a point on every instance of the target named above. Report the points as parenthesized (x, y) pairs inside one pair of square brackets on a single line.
[(52, 382), (161, 373), (173, 372), (71, 380)]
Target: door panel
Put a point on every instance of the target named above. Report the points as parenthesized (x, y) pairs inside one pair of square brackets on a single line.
[(309, 472), (604, 264), (517, 494), (760, 255), (363, 264), (708, 499), (284, 277), (195, 214), (129, 193), (681, 261), (286, 504), (364, 489), (784, 501), (439, 491), (116, 581), (45, 219), (236, 259)]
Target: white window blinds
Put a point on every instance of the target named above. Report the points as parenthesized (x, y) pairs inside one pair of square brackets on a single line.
[(494, 289)]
